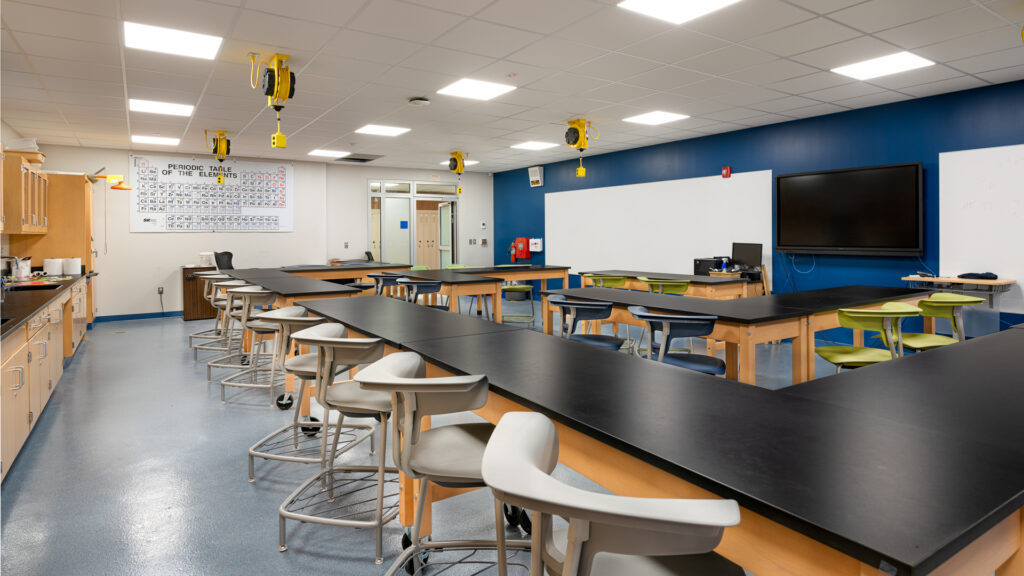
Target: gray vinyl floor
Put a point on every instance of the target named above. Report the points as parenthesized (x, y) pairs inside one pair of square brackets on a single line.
[(136, 467)]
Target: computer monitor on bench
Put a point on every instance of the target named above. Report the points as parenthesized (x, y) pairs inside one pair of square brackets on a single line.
[(746, 254)]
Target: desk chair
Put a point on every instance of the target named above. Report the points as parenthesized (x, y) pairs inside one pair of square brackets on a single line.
[(230, 344), (672, 328), (602, 281), (524, 289), (248, 377), (314, 500), (382, 281), (665, 286), (416, 288), (887, 320), (419, 267), (941, 305), (223, 260), (573, 312), (608, 534), (448, 456)]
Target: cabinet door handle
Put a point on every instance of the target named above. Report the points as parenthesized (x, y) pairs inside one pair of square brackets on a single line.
[(21, 378), (40, 325), (46, 349)]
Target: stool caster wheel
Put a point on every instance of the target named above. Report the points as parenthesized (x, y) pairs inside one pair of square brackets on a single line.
[(285, 401), (524, 521), (410, 564), (311, 431), (512, 515)]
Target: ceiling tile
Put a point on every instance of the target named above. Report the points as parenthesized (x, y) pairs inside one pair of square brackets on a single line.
[(710, 88), (972, 44), (1012, 10), (447, 61), (404, 21), (619, 93), (331, 12), (843, 92), (816, 110), (743, 20), (82, 86), (418, 82), (16, 62), (372, 47), (803, 37), (951, 85), (733, 114), (771, 72), (525, 97), (191, 15), (674, 45), (915, 77), (615, 66), (729, 59), (554, 52), (613, 28), (763, 120), (1003, 75), (567, 83), (61, 23), (667, 78), (941, 27), (169, 64), (355, 72), (811, 82), (824, 6), (749, 95), (299, 34), (877, 15), (67, 48), (993, 61), (464, 7), (524, 13), (485, 38), (25, 79), (876, 99), (848, 52)]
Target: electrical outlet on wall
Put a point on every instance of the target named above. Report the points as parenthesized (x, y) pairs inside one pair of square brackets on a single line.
[(159, 289), (483, 241), (472, 241), (346, 244)]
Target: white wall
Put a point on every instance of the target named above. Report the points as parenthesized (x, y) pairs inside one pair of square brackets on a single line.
[(331, 207)]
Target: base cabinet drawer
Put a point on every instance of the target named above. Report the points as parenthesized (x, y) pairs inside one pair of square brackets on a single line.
[(15, 406)]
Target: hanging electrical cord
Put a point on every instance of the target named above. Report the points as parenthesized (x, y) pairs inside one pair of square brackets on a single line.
[(814, 264)]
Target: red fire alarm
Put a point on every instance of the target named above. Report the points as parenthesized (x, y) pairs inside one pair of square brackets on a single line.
[(726, 171)]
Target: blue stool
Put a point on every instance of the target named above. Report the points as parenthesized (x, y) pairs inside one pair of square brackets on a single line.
[(673, 327), (416, 288), (382, 281), (573, 312)]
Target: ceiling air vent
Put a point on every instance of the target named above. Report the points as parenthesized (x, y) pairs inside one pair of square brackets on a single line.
[(359, 158)]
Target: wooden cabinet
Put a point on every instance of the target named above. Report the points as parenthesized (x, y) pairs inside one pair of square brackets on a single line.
[(38, 373), (26, 198), (56, 343), (194, 304), (14, 402)]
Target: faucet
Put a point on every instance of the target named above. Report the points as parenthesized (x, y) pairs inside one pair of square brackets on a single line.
[(17, 261)]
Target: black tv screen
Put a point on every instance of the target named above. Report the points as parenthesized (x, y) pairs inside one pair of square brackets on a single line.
[(877, 210)]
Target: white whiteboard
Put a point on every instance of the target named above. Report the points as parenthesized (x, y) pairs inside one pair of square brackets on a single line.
[(181, 194), (658, 226), (981, 216)]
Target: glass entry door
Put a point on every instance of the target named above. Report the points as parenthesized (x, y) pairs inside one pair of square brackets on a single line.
[(397, 232), (446, 233)]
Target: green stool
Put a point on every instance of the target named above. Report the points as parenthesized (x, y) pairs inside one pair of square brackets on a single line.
[(887, 320), (665, 286), (602, 281), (941, 305), (414, 268)]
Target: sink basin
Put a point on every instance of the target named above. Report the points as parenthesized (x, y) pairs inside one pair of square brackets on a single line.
[(20, 287)]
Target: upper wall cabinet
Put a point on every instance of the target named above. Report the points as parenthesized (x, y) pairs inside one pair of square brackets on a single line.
[(25, 194)]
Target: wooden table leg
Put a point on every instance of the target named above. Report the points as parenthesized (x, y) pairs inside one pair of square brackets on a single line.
[(495, 304), (747, 353), (858, 338), (453, 301), (1015, 565), (800, 354), (732, 361), (929, 325)]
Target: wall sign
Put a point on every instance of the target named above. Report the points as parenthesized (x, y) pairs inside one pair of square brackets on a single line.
[(181, 194)]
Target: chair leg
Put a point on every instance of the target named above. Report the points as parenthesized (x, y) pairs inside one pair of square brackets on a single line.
[(499, 532), (381, 461), (326, 426), (417, 523), (334, 454)]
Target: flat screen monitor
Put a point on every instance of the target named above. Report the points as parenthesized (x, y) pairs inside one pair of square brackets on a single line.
[(877, 210), (746, 254)]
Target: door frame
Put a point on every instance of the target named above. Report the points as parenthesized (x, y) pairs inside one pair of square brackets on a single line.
[(412, 196)]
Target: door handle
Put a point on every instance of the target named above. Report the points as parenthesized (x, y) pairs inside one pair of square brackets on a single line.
[(46, 350), (21, 378)]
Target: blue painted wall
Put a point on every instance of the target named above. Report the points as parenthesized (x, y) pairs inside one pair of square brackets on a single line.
[(911, 131)]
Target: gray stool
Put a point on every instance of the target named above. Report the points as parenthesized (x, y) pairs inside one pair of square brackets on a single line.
[(449, 455), (634, 536), (259, 361)]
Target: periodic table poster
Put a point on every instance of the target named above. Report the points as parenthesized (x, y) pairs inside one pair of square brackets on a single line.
[(181, 194)]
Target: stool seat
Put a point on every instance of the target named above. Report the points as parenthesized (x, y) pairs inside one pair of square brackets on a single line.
[(609, 564), (301, 365), (600, 340), (697, 362), (362, 285), (351, 399), (916, 341), (452, 453), (853, 356)]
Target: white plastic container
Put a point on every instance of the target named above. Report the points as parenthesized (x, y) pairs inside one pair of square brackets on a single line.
[(53, 266), (72, 266), (207, 259)]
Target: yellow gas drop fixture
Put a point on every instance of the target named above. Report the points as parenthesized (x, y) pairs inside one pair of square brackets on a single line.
[(278, 84), (457, 165), (580, 130), (221, 148)]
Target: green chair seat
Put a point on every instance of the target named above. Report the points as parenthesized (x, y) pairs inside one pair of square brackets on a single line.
[(517, 288), (419, 267), (665, 286), (853, 356), (602, 281), (916, 341)]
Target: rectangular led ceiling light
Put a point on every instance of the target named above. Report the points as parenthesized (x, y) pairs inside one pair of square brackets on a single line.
[(475, 89), (171, 41), (381, 130), (158, 140), (154, 107), (532, 145), (883, 66), (675, 11), (655, 118), (329, 153)]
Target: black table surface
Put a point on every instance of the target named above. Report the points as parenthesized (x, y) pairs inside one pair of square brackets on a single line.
[(292, 286), (446, 276), (349, 266), (883, 490), (20, 305), (252, 274), (399, 322), (510, 268), (692, 278), (752, 310)]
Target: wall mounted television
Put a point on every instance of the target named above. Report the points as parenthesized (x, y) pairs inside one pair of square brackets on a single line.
[(869, 211)]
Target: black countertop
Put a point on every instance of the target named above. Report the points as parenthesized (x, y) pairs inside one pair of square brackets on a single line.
[(692, 278), (510, 268), (752, 310), (295, 286), (397, 321), (20, 305), (349, 266), (879, 489), (447, 276)]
